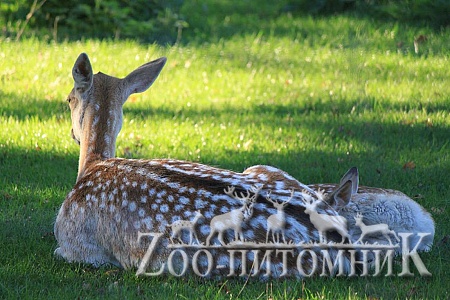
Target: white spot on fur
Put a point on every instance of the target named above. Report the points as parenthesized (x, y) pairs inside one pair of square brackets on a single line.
[(183, 200), (215, 198), (144, 186), (200, 203), (164, 208), (155, 206), (148, 222), (179, 207), (141, 212), (137, 224), (204, 229), (262, 177), (102, 205), (173, 185), (144, 199), (279, 185), (117, 217), (132, 206), (161, 194), (217, 177)]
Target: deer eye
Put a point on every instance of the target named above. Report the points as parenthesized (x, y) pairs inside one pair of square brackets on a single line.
[(68, 100)]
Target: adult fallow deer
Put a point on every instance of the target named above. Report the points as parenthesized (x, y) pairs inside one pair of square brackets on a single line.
[(115, 200)]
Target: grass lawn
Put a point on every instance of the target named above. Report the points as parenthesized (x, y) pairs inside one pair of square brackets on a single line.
[(310, 96)]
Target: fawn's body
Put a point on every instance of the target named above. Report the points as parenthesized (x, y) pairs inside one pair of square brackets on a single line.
[(114, 199)]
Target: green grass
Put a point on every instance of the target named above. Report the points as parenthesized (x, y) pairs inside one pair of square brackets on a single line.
[(310, 96)]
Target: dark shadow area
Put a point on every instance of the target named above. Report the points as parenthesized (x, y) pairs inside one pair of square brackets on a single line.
[(25, 107), (29, 169), (53, 173), (337, 121), (178, 21)]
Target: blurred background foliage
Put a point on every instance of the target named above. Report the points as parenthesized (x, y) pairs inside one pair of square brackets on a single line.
[(172, 21)]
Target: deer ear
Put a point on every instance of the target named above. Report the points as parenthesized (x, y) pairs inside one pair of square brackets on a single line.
[(341, 196), (143, 77), (82, 73), (353, 176)]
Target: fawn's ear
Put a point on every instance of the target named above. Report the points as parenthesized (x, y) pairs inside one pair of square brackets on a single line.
[(353, 176), (340, 196), (82, 73), (143, 77)]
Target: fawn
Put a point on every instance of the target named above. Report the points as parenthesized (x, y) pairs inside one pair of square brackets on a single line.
[(376, 229), (179, 225), (276, 223), (325, 222), (379, 206), (115, 200)]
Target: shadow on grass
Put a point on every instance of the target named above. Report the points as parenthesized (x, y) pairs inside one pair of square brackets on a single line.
[(25, 107), (338, 121)]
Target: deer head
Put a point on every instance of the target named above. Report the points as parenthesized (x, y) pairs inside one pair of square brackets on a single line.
[(279, 205), (96, 106)]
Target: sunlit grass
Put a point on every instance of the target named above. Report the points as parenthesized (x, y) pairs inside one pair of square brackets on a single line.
[(315, 100)]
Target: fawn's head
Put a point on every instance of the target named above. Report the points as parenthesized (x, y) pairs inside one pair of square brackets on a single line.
[(96, 105), (358, 218)]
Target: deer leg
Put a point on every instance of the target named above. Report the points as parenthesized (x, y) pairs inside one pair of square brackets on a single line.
[(282, 234), (171, 237), (344, 235), (196, 237), (190, 237), (209, 237), (360, 240), (220, 237), (241, 235), (322, 237), (395, 235), (387, 237)]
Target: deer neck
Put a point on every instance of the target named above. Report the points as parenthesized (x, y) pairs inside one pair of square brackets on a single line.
[(195, 219), (100, 126)]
